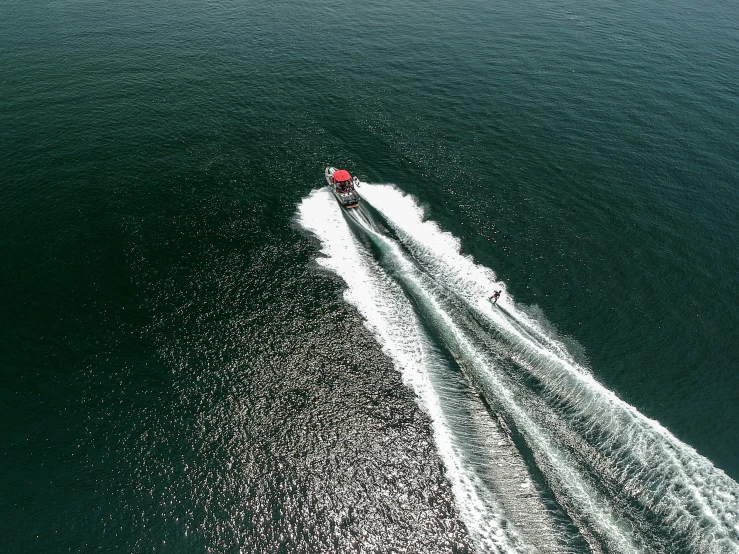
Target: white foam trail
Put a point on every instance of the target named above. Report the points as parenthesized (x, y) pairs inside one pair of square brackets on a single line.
[(592, 504), (642, 465), (441, 252), (390, 316)]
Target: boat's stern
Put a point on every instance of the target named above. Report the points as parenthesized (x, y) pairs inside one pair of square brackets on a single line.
[(348, 200)]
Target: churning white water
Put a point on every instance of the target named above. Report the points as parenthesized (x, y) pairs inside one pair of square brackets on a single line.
[(552, 433)]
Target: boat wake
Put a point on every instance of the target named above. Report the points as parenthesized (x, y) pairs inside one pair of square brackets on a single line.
[(541, 457)]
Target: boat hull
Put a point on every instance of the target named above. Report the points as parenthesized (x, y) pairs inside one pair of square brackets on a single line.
[(348, 200)]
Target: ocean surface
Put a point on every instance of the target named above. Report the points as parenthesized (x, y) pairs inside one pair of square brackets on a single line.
[(201, 352)]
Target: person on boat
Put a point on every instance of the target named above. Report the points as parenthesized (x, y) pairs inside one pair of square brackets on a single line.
[(495, 297)]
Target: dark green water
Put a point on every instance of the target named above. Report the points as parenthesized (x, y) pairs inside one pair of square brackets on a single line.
[(167, 382)]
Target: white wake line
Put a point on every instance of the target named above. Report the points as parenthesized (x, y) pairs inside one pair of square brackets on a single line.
[(577, 372), (343, 257), (574, 370), (587, 497), (604, 394), (414, 229), (413, 226)]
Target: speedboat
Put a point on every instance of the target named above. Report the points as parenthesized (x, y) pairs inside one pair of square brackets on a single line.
[(343, 186)]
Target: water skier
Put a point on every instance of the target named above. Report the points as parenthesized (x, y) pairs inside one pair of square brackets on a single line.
[(495, 297)]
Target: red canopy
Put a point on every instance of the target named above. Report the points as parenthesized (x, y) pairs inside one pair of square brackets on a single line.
[(341, 175)]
